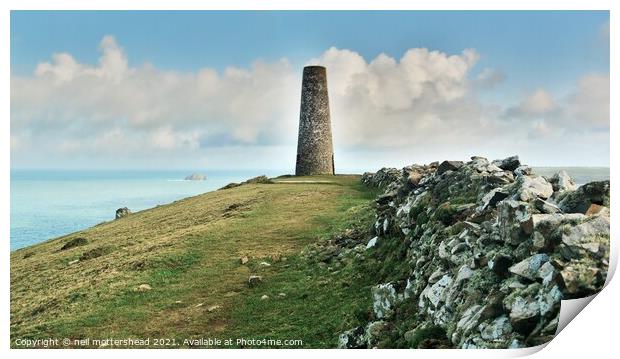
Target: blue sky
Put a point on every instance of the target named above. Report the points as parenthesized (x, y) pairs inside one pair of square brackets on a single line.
[(561, 44), (527, 51)]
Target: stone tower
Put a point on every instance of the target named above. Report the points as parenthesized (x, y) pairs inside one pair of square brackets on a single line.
[(315, 153)]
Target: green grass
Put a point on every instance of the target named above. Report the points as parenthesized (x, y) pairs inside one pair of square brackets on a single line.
[(318, 306), (188, 252)]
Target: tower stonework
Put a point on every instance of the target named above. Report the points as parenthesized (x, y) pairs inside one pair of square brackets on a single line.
[(315, 153)]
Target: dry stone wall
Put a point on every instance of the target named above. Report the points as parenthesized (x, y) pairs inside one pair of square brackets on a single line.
[(482, 254)]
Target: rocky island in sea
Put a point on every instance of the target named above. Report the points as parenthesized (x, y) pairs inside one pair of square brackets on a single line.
[(196, 177)]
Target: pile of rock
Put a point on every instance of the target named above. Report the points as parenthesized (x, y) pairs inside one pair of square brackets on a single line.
[(255, 180), (122, 212), (338, 251), (382, 178), (492, 249)]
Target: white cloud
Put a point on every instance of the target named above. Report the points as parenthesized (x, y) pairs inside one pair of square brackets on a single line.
[(589, 104), (604, 32), (536, 104), (111, 105), (389, 102), (342, 66), (489, 78), (539, 102), (112, 65), (539, 129), (585, 109), (98, 108), (395, 84), (108, 112)]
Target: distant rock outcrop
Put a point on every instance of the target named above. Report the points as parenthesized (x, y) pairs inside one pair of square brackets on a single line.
[(196, 177), (256, 180), (478, 254), (122, 212)]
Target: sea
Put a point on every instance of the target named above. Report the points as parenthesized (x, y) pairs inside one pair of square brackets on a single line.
[(50, 203)]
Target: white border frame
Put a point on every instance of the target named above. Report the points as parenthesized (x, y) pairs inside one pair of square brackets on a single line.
[(592, 333)]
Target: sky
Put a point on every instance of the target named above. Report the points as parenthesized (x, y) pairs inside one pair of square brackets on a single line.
[(221, 90)]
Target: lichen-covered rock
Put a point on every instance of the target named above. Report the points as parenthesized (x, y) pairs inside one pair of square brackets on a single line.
[(588, 238), (414, 177), (497, 329), (500, 264), (509, 164), (561, 182), (546, 206), (491, 199), (581, 279), (530, 188), (372, 242), (373, 332), (579, 201), (547, 223), (524, 314), (467, 322), (481, 252), (510, 218), (529, 267), (382, 178), (122, 212), (363, 337), (384, 298), (448, 166), (435, 293), (523, 170), (352, 339)]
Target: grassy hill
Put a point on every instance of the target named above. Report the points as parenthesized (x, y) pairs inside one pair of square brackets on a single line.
[(175, 271)]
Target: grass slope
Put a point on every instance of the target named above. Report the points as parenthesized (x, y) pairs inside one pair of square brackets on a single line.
[(188, 252)]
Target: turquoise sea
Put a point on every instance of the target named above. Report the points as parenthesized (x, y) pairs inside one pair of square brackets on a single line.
[(49, 203)]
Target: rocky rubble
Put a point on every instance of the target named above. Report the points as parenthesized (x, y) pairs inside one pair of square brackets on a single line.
[(489, 249), (255, 180), (339, 250), (122, 212)]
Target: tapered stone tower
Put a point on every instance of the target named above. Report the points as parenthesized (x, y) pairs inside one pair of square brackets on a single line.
[(315, 152)]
